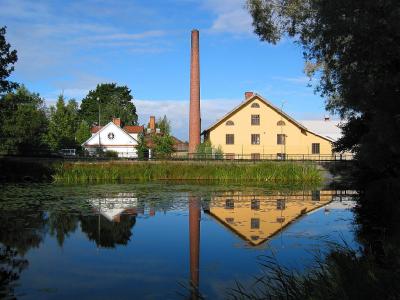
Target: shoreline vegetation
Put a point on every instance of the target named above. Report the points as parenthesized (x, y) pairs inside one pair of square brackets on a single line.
[(260, 172)]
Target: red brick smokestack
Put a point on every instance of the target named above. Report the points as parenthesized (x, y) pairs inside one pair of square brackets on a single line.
[(194, 113)]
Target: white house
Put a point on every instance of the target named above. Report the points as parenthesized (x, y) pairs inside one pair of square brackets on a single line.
[(112, 137)]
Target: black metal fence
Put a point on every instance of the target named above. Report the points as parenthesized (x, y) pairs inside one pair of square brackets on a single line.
[(191, 157)]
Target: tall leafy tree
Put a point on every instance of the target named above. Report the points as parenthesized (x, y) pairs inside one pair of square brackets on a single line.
[(23, 122), (7, 59), (83, 132), (353, 47), (112, 101), (164, 124), (63, 124)]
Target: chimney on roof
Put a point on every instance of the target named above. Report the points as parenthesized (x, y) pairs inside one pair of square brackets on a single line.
[(117, 121), (194, 112), (152, 124), (248, 95)]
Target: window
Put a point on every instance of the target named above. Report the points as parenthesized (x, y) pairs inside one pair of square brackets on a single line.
[(230, 139), (280, 139), (229, 123), (255, 204), (280, 219), (229, 204), (255, 119), (315, 148), (280, 204), (255, 223), (229, 220), (255, 105), (255, 139), (281, 156), (315, 195), (230, 156), (255, 156), (281, 123)]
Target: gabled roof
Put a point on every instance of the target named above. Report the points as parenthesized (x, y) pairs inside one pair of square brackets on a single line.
[(266, 102), (101, 128)]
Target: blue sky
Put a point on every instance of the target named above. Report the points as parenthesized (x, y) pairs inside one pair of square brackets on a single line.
[(71, 46)]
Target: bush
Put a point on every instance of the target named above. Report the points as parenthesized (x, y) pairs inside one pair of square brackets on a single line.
[(110, 154)]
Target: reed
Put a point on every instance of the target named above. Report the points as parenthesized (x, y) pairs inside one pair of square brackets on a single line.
[(262, 172)]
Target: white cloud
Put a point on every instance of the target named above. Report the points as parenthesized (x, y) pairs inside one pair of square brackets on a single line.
[(231, 16), (177, 111)]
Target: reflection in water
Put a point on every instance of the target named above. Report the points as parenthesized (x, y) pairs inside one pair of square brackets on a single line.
[(109, 222), (20, 230), (114, 220), (194, 240), (256, 218)]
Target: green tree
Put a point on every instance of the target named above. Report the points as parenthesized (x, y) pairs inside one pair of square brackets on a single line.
[(114, 101), (83, 132), (352, 47), (63, 125), (164, 125), (7, 60), (23, 122), (141, 147), (163, 145)]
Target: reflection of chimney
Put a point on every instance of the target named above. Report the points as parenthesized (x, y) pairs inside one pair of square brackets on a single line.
[(247, 95), (194, 240), (194, 113), (117, 121), (152, 124)]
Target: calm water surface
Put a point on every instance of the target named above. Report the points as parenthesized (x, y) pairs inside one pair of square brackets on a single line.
[(138, 241)]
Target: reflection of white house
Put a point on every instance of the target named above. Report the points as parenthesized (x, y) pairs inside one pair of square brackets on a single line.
[(111, 208), (112, 137)]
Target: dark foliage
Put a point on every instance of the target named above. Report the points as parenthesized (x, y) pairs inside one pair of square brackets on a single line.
[(114, 101), (353, 47), (7, 59)]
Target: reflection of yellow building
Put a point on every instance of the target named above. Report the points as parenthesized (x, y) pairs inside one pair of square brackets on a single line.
[(256, 218), (256, 128)]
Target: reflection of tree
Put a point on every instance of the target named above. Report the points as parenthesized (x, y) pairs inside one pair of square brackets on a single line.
[(11, 267), (20, 230), (61, 224), (107, 233)]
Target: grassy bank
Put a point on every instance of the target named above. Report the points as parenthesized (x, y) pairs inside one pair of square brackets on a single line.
[(276, 172)]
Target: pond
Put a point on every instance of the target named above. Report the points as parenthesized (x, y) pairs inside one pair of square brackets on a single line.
[(155, 241)]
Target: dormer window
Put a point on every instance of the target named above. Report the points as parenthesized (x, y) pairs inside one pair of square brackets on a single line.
[(281, 123), (255, 105), (229, 123)]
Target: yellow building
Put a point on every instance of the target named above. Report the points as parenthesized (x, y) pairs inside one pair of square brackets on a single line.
[(257, 129), (256, 218)]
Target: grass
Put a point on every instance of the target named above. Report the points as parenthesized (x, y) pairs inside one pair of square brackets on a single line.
[(342, 274), (263, 172)]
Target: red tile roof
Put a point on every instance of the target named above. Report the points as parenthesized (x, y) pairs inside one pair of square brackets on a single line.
[(133, 129), (128, 129)]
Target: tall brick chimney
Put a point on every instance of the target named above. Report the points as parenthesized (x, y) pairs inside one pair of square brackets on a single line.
[(194, 113), (152, 124), (117, 121)]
